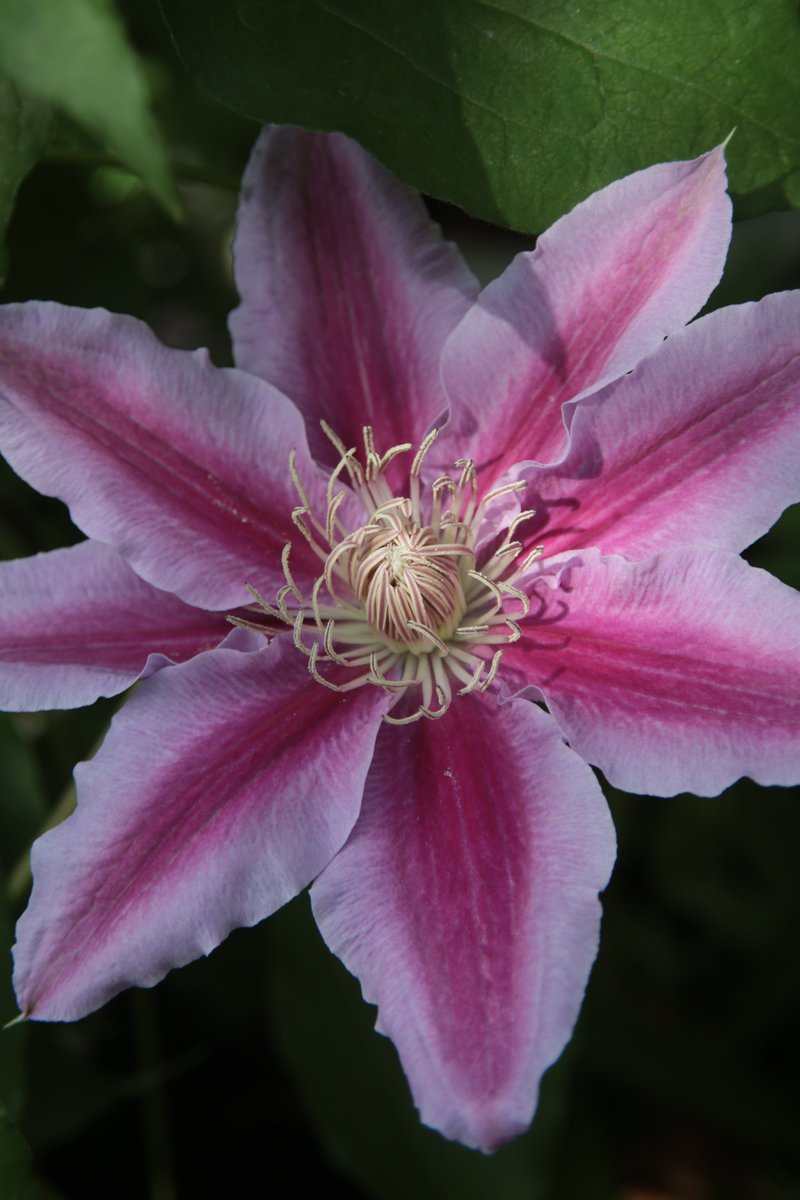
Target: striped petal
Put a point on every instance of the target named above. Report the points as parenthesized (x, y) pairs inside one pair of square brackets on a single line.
[(466, 902), (348, 290), (224, 786), (181, 466), (77, 624), (631, 264)]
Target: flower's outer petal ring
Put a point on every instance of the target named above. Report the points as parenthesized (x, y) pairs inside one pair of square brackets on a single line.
[(699, 446), (224, 786), (348, 290), (631, 264), (78, 623), (466, 901), (677, 673), (179, 465)]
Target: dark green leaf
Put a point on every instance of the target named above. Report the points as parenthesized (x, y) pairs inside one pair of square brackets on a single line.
[(17, 1179), (517, 109), (74, 55), (24, 125)]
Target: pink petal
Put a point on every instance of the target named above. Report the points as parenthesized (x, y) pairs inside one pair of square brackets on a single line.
[(224, 786), (632, 263), (700, 445), (466, 903), (348, 291), (76, 624), (181, 466), (679, 673)]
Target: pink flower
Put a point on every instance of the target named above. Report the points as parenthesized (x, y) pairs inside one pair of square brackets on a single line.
[(572, 537)]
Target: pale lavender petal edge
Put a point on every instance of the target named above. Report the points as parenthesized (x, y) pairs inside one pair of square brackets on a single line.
[(205, 809), (700, 445), (630, 265), (677, 673), (182, 466), (348, 290), (78, 623), (466, 902)]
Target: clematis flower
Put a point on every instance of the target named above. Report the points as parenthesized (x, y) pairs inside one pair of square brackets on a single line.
[(473, 544)]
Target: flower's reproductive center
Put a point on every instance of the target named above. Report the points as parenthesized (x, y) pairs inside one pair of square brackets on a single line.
[(409, 601)]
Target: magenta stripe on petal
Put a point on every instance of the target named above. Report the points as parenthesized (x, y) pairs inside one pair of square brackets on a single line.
[(629, 265), (678, 673), (700, 445), (224, 786), (181, 466), (466, 903), (348, 290), (78, 623)]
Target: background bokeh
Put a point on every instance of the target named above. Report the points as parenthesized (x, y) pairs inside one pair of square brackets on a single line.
[(682, 1081)]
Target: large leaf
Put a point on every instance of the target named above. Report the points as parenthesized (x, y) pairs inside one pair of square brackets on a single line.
[(74, 54), (24, 126), (516, 109)]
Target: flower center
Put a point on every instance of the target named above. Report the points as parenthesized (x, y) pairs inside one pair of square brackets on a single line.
[(408, 584), (407, 601)]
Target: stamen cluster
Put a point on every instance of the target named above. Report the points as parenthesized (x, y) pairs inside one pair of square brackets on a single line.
[(400, 600)]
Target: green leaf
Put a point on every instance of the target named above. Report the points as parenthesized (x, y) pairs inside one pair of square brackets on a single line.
[(517, 109), (24, 128), (16, 1166), (74, 55)]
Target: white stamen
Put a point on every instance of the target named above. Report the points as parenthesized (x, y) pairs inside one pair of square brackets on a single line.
[(400, 602)]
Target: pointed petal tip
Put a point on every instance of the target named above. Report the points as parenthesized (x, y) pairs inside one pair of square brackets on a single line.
[(25, 1015), (477, 940)]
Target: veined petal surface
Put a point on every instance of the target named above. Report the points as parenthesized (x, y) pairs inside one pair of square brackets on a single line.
[(348, 289), (224, 786), (466, 901), (183, 467), (700, 445), (79, 623), (677, 673), (604, 285)]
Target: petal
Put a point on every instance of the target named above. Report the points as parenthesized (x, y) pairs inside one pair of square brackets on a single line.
[(466, 903), (181, 466), (78, 623), (632, 263), (348, 290), (224, 786), (700, 445), (679, 673)]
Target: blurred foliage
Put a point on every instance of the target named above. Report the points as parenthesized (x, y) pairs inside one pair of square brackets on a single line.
[(24, 132), (72, 57), (260, 1062)]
